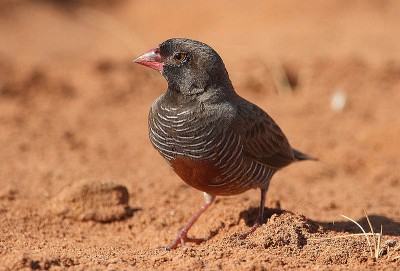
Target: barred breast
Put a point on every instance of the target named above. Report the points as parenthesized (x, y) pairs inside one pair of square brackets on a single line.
[(204, 149)]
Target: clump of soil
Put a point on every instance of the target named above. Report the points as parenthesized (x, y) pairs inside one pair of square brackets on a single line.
[(285, 230), (101, 202)]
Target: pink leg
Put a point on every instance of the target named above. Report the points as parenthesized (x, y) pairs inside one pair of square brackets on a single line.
[(260, 218), (182, 236)]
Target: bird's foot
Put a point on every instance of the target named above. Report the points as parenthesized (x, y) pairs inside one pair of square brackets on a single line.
[(249, 231), (183, 239)]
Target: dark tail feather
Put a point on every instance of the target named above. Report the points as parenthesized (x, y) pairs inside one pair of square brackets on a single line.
[(301, 156)]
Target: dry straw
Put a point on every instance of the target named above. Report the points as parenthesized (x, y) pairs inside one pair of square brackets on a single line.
[(374, 246)]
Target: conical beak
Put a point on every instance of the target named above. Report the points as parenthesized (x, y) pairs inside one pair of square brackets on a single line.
[(151, 59)]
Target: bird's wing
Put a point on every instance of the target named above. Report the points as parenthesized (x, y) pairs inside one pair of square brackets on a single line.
[(263, 140)]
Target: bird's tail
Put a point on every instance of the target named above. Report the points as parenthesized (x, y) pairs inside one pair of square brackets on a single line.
[(299, 156)]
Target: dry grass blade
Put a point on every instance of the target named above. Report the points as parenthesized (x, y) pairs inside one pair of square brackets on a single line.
[(362, 229), (342, 236), (372, 230), (378, 245), (377, 242)]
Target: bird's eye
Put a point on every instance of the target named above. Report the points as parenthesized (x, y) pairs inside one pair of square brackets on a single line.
[(180, 57)]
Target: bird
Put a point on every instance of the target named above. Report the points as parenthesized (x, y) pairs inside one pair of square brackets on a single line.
[(214, 140)]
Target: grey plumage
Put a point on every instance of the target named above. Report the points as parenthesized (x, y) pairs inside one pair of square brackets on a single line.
[(235, 136)]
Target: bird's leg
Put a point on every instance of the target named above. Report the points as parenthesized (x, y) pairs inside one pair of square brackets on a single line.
[(182, 236), (260, 218)]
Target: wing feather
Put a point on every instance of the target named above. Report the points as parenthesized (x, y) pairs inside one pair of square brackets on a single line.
[(263, 140)]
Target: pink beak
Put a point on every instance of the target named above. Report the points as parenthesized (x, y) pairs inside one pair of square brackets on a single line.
[(151, 59)]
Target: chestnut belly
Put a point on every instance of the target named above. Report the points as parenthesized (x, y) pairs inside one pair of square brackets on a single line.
[(206, 177)]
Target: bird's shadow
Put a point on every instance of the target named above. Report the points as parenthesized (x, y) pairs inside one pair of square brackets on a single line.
[(390, 226)]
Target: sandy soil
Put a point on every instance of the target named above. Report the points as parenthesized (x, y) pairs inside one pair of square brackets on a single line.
[(82, 188)]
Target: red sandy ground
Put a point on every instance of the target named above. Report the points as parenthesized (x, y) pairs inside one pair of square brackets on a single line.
[(73, 121)]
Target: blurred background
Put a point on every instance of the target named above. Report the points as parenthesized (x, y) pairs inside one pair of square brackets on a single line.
[(75, 31), (73, 105)]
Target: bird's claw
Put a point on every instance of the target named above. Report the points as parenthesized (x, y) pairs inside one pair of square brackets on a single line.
[(183, 239), (249, 231)]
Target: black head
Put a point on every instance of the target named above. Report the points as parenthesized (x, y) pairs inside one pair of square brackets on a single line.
[(190, 67)]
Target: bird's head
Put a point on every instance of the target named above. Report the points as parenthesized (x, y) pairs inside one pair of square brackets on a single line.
[(190, 67)]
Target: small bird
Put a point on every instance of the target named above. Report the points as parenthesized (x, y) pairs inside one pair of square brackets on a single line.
[(214, 140)]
